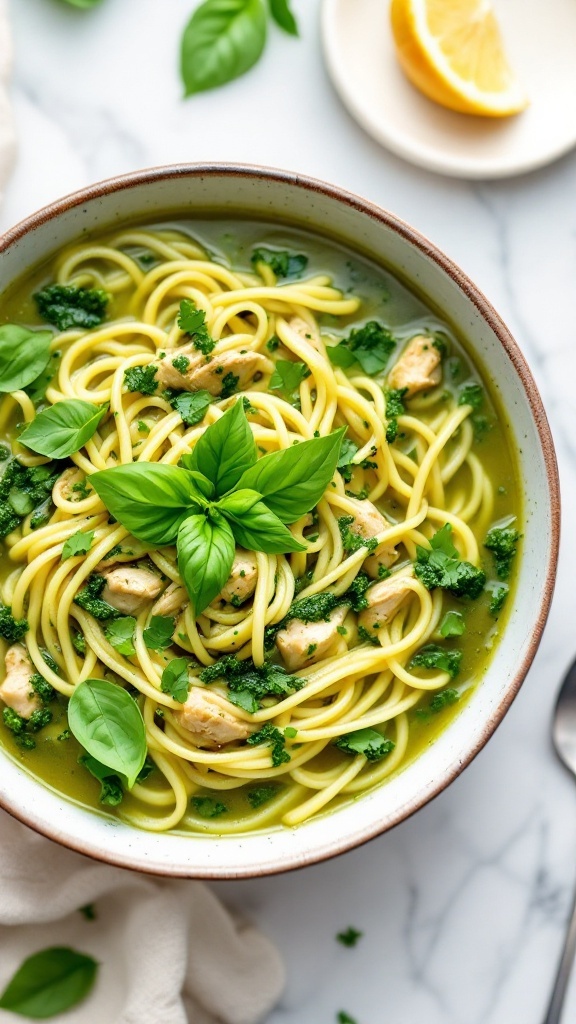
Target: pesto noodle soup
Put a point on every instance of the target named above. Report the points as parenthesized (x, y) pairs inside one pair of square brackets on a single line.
[(258, 516)]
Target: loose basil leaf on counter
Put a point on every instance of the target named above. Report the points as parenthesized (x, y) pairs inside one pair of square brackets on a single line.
[(49, 983), (64, 428), (107, 722), (205, 554), (120, 634), (151, 500), (280, 11), (222, 40), (293, 481), (175, 679), (24, 354), (225, 450), (257, 528), (78, 544), (158, 635)]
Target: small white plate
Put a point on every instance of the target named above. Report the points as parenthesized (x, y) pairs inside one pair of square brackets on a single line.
[(540, 37)]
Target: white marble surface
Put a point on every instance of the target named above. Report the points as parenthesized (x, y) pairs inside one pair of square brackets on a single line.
[(463, 907)]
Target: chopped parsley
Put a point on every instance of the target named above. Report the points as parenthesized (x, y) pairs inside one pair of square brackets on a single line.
[(248, 684), (111, 791), (349, 937), (345, 1018), (142, 379), (443, 699), (287, 378), (229, 385), (368, 742), (281, 262), (89, 598), (26, 489), (441, 566), (181, 363), (370, 345), (78, 544), (158, 634), (498, 599), (12, 630), (23, 728), (271, 735), (432, 656), (502, 542), (471, 394), (261, 795), (356, 593), (66, 306), (207, 807), (273, 343), (394, 409), (452, 624), (143, 427), (192, 321), (79, 642), (192, 406), (354, 541)]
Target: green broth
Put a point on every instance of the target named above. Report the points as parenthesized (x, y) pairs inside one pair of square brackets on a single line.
[(385, 297)]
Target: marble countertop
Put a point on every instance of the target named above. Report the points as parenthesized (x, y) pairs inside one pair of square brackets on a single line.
[(463, 907)]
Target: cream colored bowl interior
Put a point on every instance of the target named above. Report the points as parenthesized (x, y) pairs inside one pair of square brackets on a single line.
[(285, 198)]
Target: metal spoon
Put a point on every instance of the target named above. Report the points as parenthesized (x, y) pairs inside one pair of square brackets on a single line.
[(564, 737)]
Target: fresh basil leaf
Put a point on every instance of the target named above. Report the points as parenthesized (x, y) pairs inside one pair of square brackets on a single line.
[(222, 40), (49, 983), (205, 555), (150, 499), (204, 485), (239, 502), (107, 722), (111, 791), (64, 428), (78, 544), (175, 679), (24, 354), (280, 11), (293, 481), (158, 635), (192, 406), (259, 529), (120, 634), (340, 356), (287, 378), (225, 450)]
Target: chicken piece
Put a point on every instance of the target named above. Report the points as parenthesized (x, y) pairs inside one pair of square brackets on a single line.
[(172, 601), (128, 589), (418, 368), (202, 373), (242, 580), (368, 523), (384, 599), (210, 720), (16, 690), (303, 643)]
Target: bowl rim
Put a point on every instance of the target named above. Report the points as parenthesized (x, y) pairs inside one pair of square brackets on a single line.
[(294, 179)]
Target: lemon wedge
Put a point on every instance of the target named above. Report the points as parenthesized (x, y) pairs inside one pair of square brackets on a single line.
[(452, 50)]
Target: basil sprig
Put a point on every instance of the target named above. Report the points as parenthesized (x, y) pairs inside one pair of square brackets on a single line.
[(50, 982), (64, 428), (221, 495), (24, 355), (107, 722)]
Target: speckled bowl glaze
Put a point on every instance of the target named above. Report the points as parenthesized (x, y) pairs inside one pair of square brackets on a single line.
[(290, 198)]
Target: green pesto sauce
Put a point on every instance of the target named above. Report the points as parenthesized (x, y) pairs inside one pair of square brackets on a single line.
[(384, 297)]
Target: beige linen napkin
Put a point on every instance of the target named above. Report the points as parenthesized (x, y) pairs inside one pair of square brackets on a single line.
[(169, 952)]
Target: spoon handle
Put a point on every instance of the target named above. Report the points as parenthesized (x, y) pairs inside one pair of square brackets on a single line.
[(554, 1014)]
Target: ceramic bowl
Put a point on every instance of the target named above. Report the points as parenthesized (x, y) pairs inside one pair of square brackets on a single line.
[(297, 201)]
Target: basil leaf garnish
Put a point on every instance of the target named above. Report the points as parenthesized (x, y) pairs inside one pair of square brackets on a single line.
[(280, 11), (107, 722), (158, 635), (24, 354), (225, 450), (64, 428), (49, 983), (149, 499), (175, 679), (222, 40), (255, 527), (120, 634), (205, 554), (293, 481)]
